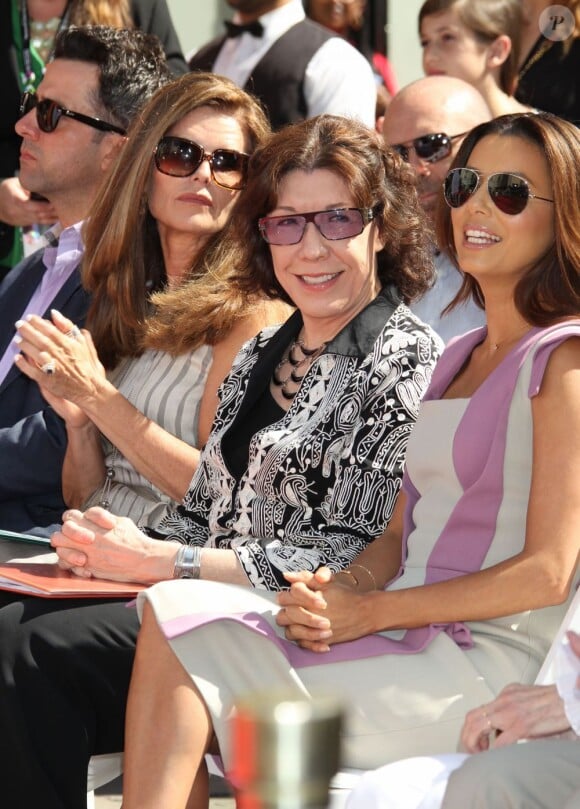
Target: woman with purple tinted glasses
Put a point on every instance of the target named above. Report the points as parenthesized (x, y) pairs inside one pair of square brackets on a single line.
[(305, 457), (464, 590)]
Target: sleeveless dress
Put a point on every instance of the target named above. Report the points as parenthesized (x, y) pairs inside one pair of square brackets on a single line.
[(406, 692), (168, 390)]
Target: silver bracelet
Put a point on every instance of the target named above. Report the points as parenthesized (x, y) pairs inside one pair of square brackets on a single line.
[(187, 562)]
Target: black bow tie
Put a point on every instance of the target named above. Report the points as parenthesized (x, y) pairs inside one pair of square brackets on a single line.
[(255, 28)]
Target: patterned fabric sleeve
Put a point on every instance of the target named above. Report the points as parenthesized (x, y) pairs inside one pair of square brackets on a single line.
[(321, 483), (355, 458)]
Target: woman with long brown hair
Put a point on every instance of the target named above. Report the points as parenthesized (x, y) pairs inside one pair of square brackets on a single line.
[(150, 242)]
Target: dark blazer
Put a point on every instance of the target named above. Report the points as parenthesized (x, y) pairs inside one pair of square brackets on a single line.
[(32, 436)]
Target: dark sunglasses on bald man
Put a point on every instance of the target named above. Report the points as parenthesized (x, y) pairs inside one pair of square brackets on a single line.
[(508, 192), (179, 157), (49, 113), (339, 223), (431, 148)]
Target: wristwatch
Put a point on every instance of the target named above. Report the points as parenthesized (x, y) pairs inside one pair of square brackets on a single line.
[(187, 562)]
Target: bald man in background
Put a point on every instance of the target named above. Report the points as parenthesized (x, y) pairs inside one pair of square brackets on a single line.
[(444, 109)]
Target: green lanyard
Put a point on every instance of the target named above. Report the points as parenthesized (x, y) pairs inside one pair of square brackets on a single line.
[(31, 66)]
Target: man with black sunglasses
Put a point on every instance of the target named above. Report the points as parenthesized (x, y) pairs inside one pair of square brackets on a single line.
[(71, 133), (425, 123)]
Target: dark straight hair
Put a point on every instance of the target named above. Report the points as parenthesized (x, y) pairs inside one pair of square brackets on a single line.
[(551, 288)]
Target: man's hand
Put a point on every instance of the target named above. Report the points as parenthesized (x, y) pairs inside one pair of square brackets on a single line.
[(518, 712)]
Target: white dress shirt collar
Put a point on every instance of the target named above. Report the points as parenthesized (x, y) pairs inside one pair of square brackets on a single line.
[(239, 56)]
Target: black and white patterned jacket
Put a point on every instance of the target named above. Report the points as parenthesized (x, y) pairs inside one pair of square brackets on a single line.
[(322, 481)]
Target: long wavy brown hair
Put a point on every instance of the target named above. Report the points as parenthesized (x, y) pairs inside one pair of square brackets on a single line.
[(551, 288), (123, 262)]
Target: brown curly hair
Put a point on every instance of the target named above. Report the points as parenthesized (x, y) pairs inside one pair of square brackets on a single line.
[(377, 178)]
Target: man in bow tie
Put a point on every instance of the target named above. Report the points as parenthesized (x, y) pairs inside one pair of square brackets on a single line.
[(297, 68)]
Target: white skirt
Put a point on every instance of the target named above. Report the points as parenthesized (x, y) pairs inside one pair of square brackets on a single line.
[(397, 705)]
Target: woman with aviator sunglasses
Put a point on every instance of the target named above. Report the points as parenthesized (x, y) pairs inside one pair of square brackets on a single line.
[(512, 224), (465, 589)]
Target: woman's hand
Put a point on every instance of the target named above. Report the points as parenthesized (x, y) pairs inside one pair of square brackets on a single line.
[(76, 372), (519, 712), (73, 415), (320, 609), (99, 544)]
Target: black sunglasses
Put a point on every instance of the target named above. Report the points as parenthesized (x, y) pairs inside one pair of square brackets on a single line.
[(339, 223), (49, 113), (509, 192), (431, 148), (179, 157)]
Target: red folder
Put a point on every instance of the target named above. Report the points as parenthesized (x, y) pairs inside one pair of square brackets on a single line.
[(48, 580)]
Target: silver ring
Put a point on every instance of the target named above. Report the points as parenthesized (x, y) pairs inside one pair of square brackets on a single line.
[(74, 333), (48, 368)]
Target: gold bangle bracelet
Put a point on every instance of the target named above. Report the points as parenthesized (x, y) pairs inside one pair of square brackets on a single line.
[(348, 573), (369, 574)]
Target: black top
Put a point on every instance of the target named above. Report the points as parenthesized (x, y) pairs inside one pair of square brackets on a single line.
[(552, 83), (236, 443)]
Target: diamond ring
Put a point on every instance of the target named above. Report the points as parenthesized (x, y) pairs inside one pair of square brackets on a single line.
[(48, 368)]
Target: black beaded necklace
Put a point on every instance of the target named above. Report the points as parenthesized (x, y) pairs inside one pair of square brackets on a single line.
[(295, 361)]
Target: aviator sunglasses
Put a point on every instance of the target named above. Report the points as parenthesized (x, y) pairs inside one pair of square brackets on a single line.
[(339, 223), (49, 113), (509, 192), (431, 148), (179, 157)]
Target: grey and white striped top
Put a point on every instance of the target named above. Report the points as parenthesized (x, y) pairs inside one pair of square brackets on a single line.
[(167, 390)]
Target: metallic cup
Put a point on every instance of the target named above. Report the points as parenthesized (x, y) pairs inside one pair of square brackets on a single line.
[(285, 750)]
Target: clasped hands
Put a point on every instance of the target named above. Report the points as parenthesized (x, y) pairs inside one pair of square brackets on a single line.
[(98, 544), (320, 609)]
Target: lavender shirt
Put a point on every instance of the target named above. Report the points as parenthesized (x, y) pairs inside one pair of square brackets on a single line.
[(61, 257)]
